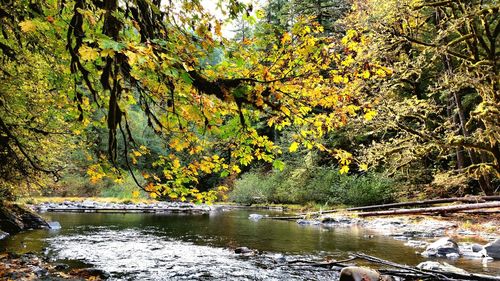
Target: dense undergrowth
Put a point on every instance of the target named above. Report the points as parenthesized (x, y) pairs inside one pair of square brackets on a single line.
[(325, 185)]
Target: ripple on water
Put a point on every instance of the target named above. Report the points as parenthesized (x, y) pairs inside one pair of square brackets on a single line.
[(134, 255)]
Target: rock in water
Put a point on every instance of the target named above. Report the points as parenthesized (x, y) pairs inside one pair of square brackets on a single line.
[(356, 273), (255, 217), (493, 249), (441, 248), (434, 265), (243, 250), (476, 248), (3, 235), (54, 225)]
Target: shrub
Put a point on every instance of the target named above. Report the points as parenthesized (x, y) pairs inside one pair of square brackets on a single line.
[(251, 188), (362, 190)]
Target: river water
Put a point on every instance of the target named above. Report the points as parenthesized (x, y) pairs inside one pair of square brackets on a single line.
[(200, 246)]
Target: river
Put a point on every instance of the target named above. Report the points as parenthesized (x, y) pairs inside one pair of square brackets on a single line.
[(200, 247)]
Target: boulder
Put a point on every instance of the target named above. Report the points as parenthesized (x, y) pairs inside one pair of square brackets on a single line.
[(434, 265), (14, 219), (476, 248), (356, 273), (493, 249), (441, 248)]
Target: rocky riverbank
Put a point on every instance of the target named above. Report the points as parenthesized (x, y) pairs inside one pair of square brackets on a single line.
[(93, 206), (430, 237), (29, 267)]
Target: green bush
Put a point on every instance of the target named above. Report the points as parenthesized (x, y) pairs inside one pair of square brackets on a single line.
[(364, 190), (300, 185), (252, 188)]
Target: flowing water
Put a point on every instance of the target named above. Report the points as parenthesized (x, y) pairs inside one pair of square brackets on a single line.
[(200, 247)]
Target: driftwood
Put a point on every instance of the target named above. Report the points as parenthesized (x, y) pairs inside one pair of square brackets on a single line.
[(396, 269), (442, 209)]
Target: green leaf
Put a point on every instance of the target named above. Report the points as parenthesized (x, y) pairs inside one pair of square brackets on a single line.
[(186, 77), (278, 164)]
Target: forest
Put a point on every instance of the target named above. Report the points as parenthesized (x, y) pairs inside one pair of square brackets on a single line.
[(350, 102)]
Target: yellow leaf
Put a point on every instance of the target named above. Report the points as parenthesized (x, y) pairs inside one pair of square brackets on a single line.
[(236, 169), (363, 167), (108, 52), (286, 38), (135, 194), (293, 147), (370, 114), (285, 110), (344, 170), (366, 74), (218, 28), (153, 195), (87, 53), (27, 26)]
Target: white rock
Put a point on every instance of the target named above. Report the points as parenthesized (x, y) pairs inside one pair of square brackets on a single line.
[(255, 217)]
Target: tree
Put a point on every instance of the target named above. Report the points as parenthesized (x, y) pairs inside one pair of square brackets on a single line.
[(140, 55), (443, 95), (35, 109)]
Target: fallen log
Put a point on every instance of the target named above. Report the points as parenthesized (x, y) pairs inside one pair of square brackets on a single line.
[(319, 212), (442, 209), (469, 199)]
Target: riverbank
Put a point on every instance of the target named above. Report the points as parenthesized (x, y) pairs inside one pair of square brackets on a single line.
[(448, 238), (29, 267)]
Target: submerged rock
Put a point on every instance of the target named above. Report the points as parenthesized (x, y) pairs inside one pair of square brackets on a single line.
[(442, 248), (356, 273), (493, 249)]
